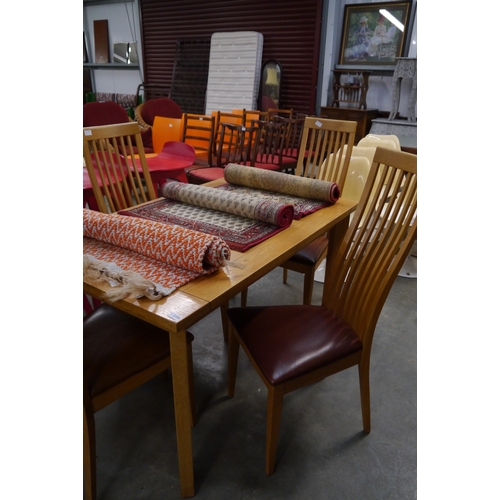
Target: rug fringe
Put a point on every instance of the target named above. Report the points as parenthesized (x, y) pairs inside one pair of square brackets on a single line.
[(124, 283)]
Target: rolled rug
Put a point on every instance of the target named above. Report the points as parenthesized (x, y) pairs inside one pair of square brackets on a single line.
[(125, 250), (279, 182), (280, 215)]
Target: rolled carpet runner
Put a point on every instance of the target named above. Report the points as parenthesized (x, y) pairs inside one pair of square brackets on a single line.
[(125, 250), (233, 203), (279, 182)]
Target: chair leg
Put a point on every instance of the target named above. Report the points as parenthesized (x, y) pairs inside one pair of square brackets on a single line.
[(89, 466), (364, 389), (285, 275), (223, 316), (244, 295), (308, 287), (274, 410), (232, 361)]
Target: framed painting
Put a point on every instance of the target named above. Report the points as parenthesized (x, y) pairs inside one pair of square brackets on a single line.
[(374, 34)]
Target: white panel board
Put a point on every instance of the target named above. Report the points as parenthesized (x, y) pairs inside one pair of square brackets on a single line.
[(234, 71)]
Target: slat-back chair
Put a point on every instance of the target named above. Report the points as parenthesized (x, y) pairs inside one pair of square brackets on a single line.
[(297, 345), (119, 176), (321, 139), (286, 113), (198, 131), (221, 117), (235, 146), (267, 153)]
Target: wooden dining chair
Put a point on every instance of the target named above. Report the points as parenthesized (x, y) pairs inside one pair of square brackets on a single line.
[(119, 176), (120, 353), (321, 139), (291, 140), (235, 145), (268, 150), (292, 346)]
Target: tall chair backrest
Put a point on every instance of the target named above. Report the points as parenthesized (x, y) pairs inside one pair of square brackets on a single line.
[(198, 131), (287, 113), (268, 149), (255, 114), (221, 117), (236, 144), (376, 244), (320, 138), (119, 176), (293, 134)]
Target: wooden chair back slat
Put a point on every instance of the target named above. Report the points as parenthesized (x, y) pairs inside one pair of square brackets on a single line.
[(199, 132), (236, 144), (321, 138), (116, 164), (371, 254)]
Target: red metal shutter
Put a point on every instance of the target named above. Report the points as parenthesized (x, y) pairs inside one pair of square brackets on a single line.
[(291, 29)]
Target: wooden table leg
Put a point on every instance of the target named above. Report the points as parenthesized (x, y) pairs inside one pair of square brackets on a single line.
[(179, 358)]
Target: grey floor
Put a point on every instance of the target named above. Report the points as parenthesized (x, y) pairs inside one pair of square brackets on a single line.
[(322, 452)]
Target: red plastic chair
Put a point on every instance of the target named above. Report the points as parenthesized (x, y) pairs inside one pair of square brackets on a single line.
[(170, 163)]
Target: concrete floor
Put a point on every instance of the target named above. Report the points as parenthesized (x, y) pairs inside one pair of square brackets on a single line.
[(322, 452)]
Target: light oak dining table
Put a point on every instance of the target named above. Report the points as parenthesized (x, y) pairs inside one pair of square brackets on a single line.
[(192, 302)]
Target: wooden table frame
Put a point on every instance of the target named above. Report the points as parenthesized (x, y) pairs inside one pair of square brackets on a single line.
[(192, 302)]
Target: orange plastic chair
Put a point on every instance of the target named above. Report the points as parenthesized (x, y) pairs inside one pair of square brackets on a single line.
[(165, 129)]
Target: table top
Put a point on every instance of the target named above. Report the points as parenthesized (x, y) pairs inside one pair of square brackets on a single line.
[(198, 298)]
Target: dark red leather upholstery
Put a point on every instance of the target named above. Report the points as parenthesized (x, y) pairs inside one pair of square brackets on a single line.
[(111, 339), (312, 252), (289, 341)]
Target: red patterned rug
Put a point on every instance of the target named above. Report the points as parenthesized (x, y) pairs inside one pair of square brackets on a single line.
[(146, 258)]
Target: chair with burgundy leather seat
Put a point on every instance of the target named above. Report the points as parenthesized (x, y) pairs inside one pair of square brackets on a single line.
[(120, 353), (292, 346)]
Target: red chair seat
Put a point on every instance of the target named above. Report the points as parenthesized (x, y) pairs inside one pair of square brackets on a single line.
[(171, 162), (289, 341)]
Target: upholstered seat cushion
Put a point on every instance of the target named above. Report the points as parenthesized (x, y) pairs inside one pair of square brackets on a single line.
[(289, 341), (111, 339), (311, 253)]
